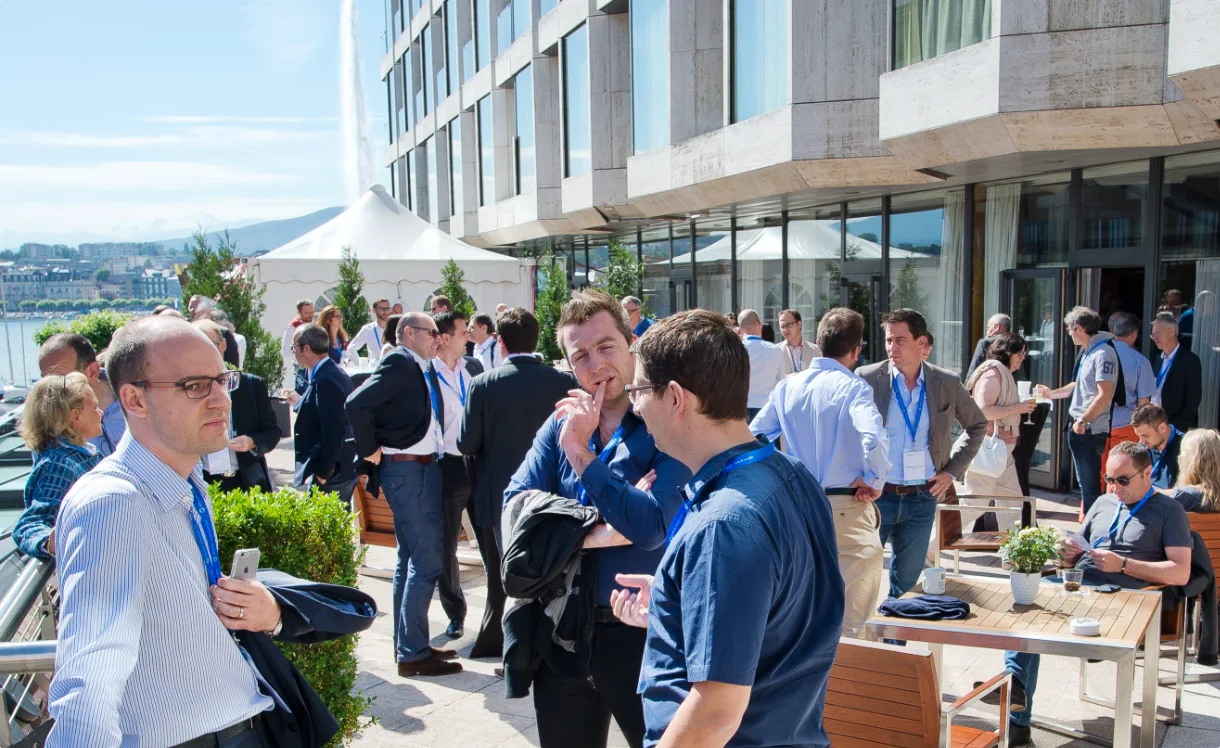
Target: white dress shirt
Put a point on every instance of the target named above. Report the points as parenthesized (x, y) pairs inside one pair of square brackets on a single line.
[(454, 386), (830, 422), (433, 441), (766, 369), (488, 352), (371, 335), (142, 659), (1163, 372)]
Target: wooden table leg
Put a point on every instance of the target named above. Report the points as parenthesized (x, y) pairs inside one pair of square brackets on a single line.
[(1152, 662)]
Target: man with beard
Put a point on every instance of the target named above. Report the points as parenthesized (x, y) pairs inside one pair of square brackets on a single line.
[(372, 335)]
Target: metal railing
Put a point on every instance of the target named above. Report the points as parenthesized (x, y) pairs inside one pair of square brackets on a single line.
[(27, 644)]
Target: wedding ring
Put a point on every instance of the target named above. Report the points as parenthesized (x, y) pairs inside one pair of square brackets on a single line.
[(241, 613)]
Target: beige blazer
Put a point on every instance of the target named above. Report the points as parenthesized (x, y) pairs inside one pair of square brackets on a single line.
[(808, 353), (947, 401)]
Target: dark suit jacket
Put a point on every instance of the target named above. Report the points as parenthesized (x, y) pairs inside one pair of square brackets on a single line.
[(322, 436), (392, 408), (252, 417), (1183, 388), (947, 401), (504, 410), (980, 353)]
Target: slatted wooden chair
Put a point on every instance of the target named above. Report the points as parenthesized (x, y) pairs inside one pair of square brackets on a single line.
[(374, 517), (952, 537), (882, 695)]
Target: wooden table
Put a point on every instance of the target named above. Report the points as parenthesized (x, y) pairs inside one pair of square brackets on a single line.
[(1128, 617)]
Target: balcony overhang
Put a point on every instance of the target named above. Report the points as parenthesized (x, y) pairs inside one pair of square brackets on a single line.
[(1193, 63)]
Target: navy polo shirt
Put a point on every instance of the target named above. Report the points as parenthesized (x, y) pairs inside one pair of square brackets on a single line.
[(1165, 462), (748, 593), (642, 516)]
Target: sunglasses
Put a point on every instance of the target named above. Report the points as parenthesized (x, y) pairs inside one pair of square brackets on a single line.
[(429, 330), (1124, 482)]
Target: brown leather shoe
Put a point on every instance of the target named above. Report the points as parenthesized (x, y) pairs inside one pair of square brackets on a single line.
[(444, 654), (428, 666)]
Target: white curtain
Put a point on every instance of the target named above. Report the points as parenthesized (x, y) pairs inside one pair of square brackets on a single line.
[(924, 29), (1206, 337), (948, 318), (752, 293), (1000, 239)]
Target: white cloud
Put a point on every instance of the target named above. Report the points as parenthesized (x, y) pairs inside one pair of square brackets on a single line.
[(286, 32), (225, 135), (209, 119), (111, 176)]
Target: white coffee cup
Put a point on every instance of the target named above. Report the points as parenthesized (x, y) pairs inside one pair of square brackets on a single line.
[(934, 581)]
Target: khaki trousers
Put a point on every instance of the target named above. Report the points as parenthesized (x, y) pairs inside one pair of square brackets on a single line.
[(861, 560)]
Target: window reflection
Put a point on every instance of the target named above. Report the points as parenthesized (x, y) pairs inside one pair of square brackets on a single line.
[(760, 57), (577, 130), (523, 93), (482, 32), (429, 68), (434, 211), (452, 53), (814, 265), (650, 74), (456, 196), (413, 183), (487, 153), (546, 6), (1112, 206), (924, 29)]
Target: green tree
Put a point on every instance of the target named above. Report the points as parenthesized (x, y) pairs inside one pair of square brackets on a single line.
[(82, 305), (102, 275), (219, 275), (907, 293), (452, 278), (96, 327), (45, 305), (63, 305), (101, 303), (348, 298), (623, 272), (552, 294), (27, 305)]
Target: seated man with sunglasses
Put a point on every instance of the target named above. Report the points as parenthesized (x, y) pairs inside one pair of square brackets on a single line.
[(1135, 537)]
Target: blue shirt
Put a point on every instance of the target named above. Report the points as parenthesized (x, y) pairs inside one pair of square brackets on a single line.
[(142, 657), (114, 425), (642, 327), (900, 435), (748, 593), (55, 471), (1139, 381), (830, 422), (643, 517)]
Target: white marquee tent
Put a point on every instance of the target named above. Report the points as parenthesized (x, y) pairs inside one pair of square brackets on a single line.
[(401, 257)]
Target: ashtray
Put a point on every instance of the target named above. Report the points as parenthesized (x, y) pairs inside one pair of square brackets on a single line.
[(1086, 627)]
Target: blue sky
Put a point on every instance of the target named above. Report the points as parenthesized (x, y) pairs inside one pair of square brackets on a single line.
[(138, 119)]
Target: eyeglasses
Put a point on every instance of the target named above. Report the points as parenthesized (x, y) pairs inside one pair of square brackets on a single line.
[(1124, 482), (381, 309), (197, 388), (634, 390), (631, 311), (786, 325), (434, 333)]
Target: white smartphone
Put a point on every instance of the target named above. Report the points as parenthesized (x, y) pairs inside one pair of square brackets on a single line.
[(245, 564)]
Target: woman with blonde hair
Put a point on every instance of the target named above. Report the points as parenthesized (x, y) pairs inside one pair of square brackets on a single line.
[(61, 416), (1198, 487), (331, 320)]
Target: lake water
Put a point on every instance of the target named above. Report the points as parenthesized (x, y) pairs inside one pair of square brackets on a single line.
[(18, 351)]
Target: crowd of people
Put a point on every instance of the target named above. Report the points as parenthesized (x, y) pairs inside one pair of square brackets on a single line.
[(677, 525)]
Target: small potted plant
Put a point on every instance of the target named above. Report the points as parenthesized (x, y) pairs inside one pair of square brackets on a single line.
[(1026, 551)]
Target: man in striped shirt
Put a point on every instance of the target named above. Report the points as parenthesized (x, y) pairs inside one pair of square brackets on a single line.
[(145, 656)]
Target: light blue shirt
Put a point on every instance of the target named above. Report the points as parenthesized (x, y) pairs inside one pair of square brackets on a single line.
[(830, 423), (142, 658), (114, 425), (1139, 381), (900, 436)]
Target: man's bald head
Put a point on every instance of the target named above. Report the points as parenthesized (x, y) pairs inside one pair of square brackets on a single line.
[(749, 321)]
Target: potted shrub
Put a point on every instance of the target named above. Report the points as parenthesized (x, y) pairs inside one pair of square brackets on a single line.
[(1026, 551)]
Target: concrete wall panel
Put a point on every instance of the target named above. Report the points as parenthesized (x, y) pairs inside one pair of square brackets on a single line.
[(838, 49), (1071, 15), (916, 98)]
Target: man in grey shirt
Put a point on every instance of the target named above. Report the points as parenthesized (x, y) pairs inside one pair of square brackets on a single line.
[(1092, 392)]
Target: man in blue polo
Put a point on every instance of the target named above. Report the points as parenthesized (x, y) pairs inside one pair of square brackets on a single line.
[(636, 320), (744, 613), (595, 450)]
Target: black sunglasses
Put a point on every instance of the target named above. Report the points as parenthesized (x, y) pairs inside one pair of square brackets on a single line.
[(429, 330)]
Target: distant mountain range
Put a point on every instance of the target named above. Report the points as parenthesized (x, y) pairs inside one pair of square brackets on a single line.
[(258, 238)]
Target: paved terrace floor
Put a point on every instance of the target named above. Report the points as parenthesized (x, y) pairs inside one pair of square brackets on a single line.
[(469, 710)]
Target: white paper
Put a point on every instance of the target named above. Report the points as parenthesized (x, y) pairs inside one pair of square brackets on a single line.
[(218, 463), (913, 467)]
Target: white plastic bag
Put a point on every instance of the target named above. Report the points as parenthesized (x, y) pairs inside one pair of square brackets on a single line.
[(992, 457)]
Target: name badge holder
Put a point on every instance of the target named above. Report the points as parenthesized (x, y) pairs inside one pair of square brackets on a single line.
[(914, 465)]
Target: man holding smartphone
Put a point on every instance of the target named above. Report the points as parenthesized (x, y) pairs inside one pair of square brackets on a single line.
[(1135, 537)]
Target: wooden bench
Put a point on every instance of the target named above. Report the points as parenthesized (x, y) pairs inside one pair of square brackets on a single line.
[(373, 516), (882, 695), (951, 535)]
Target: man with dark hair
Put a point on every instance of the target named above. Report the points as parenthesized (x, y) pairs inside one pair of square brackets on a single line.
[(744, 613), (830, 423), (1179, 378), (1138, 378), (766, 360), (1155, 548), (919, 403), (397, 420), (798, 353), (450, 373), (440, 304), (505, 407), (321, 434), (1092, 390), (65, 352), (372, 335), (486, 346), (595, 450), (1153, 429), (304, 316)]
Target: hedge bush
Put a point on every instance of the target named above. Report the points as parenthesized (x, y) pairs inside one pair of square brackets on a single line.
[(309, 536), (96, 327)]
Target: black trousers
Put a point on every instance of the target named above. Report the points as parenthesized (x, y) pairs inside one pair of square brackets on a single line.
[(1023, 453), (455, 495), (575, 713), (490, 641)]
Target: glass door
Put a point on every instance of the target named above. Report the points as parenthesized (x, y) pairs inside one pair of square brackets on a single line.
[(860, 284), (1034, 300)]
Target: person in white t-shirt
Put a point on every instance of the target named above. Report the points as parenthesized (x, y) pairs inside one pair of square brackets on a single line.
[(372, 336), (766, 361)]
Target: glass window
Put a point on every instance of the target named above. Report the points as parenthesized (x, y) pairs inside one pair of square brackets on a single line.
[(429, 68), (434, 193), (451, 47), (760, 57), (404, 182), (408, 97), (442, 59), (412, 183), (546, 6), (927, 233), (1112, 206), (456, 196), (504, 28), (482, 32), (577, 128), (487, 154), (713, 266), (399, 123), (650, 74), (680, 282), (1191, 223), (924, 29), (417, 79), (815, 266), (656, 273), (521, 18), (397, 24), (415, 6), (760, 269), (469, 65), (523, 97)]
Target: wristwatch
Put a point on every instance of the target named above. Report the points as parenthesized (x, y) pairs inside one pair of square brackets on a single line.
[(1123, 569), (279, 626)]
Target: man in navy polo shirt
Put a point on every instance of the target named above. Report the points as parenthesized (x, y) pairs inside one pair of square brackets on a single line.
[(595, 450), (744, 614)]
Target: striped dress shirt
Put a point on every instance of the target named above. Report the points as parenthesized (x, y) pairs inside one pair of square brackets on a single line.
[(142, 658)]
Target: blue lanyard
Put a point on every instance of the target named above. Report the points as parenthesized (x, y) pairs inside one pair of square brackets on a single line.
[(460, 389), (1164, 372), (1114, 525), (1160, 461), (605, 456), (376, 335), (205, 535), (913, 428), (738, 462), (753, 337), (1080, 361), (314, 371)]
